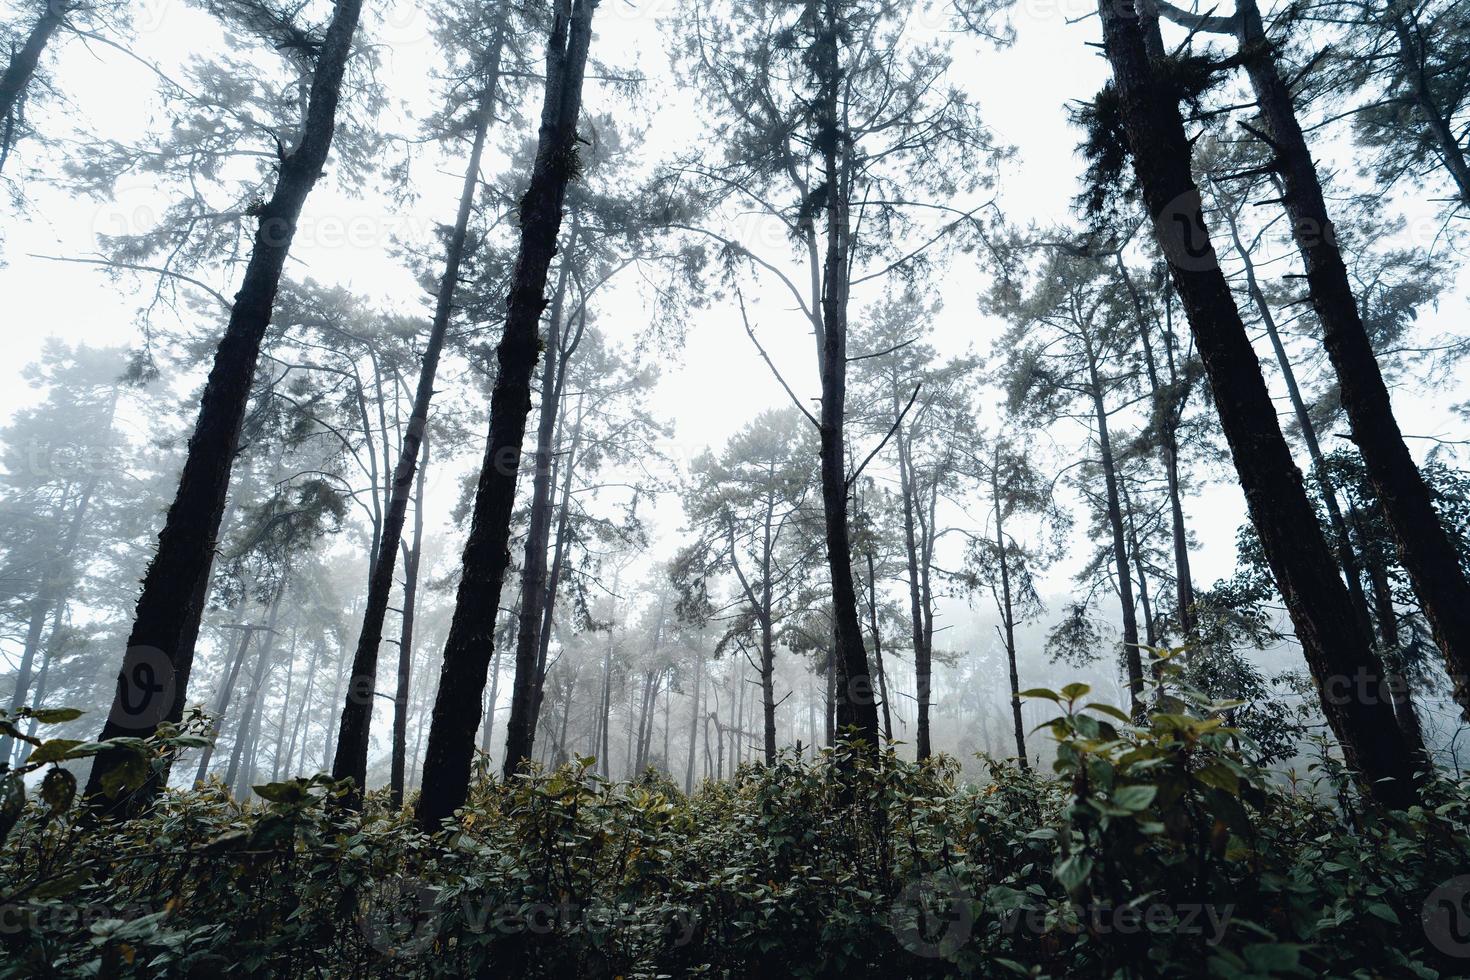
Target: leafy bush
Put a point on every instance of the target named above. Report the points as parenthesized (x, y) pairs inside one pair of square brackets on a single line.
[(1154, 850)]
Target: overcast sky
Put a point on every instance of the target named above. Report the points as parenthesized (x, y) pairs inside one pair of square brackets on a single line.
[(718, 382)]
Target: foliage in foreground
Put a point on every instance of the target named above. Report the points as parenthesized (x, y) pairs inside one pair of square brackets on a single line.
[(1155, 851)]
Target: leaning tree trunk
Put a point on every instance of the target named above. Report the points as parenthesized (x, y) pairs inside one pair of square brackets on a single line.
[(520, 740), (1424, 547), (911, 553), (411, 559), (357, 712), (467, 651), (1337, 651), (152, 686), (1346, 555), (22, 67)]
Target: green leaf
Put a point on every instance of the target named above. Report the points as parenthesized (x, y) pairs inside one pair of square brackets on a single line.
[(1040, 692), (54, 750), (1384, 912), (1112, 711), (1134, 798), (1075, 690), (1073, 871), (55, 716)]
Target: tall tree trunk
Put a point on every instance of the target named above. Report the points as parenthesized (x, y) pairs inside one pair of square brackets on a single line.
[(467, 651), (152, 686), (558, 559), (855, 707), (357, 712), (878, 650), (1164, 417), (1336, 649), (1131, 655), (911, 552), (1008, 617), (222, 700), (411, 558), (298, 734), (1424, 547), (1346, 555), (277, 755), (520, 735), (694, 725), (22, 67)]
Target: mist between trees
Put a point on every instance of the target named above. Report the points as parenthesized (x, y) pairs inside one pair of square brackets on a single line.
[(556, 428)]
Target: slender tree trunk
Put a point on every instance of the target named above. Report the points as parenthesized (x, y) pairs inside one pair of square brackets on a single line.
[(520, 736), (357, 712), (878, 650), (1346, 555), (694, 724), (152, 686), (1008, 617), (471, 632), (1164, 417), (1337, 651), (911, 552), (222, 701), (411, 558), (488, 733), (1131, 655), (277, 753), (298, 735)]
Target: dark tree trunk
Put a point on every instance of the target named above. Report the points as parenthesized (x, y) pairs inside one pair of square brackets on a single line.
[(878, 650), (467, 652), (854, 701), (911, 553), (1424, 547), (694, 725), (22, 66), (1164, 416), (1335, 648), (1131, 655), (357, 712), (152, 686), (1008, 617), (411, 558), (525, 705), (1346, 556)]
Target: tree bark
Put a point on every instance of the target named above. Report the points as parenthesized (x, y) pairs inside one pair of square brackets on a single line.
[(357, 712), (152, 686), (1411, 58), (22, 66), (878, 650), (520, 736), (694, 724), (411, 558), (1335, 648), (1008, 615), (854, 707), (1131, 656), (471, 633)]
